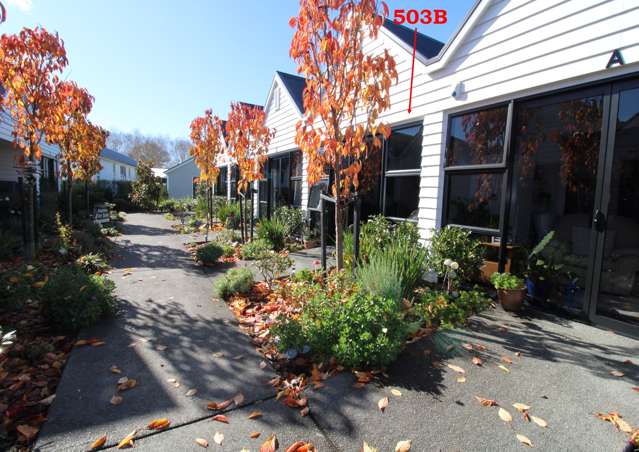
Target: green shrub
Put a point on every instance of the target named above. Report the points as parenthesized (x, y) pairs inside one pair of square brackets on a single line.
[(292, 219), (304, 275), (288, 334), (456, 244), (236, 280), (228, 236), (10, 244), (167, 205), (506, 281), (271, 231), (409, 260), (228, 250), (209, 253), (73, 300), (254, 249), (92, 263), (110, 231), (16, 286), (273, 265), (439, 308), (379, 276), (371, 331), (229, 214), (64, 232)]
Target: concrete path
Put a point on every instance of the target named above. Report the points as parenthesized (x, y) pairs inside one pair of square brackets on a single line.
[(171, 328)]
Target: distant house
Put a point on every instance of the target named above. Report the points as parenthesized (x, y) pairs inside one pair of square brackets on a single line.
[(116, 167), (182, 180), (160, 173)]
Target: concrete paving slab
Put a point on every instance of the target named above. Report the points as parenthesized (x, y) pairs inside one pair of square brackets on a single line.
[(169, 328)]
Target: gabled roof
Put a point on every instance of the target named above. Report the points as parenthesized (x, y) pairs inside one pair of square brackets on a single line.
[(426, 47), (295, 85), (117, 156)]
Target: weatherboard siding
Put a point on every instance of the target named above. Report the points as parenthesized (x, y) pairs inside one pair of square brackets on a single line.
[(516, 48)]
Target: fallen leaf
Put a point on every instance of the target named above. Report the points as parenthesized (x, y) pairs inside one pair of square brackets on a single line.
[(396, 392), (221, 418), (505, 415), (504, 368), (171, 380), (218, 354), (27, 431), (304, 411), (115, 369), (158, 424), (526, 416), (367, 448), (461, 380), (101, 441), (47, 400), (382, 404), (300, 446), (486, 402), (468, 346), (477, 361), (160, 348), (518, 354), (539, 421), (238, 399), (201, 442), (455, 368), (254, 435), (628, 362), (128, 384), (506, 359), (127, 441), (617, 373), (254, 414), (218, 438), (635, 388), (116, 400), (403, 446), (263, 365), (524, 440), (270, 445), (123, 380), (615, 419), (521, 407), (218, 406), (191, 392)]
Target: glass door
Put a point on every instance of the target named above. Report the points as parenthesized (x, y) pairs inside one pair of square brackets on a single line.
[(615, 285)]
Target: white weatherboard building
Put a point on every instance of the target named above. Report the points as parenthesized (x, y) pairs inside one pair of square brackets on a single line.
[(526, 121)]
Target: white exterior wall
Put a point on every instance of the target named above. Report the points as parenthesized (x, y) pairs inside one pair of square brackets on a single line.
[(107, 171), (284, 121), (515, 48)]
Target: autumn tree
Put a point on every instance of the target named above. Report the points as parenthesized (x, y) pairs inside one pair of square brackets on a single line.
[(207, 145), (346, 90), (248, 141), (91, 140), (73, 105), (30, 64)]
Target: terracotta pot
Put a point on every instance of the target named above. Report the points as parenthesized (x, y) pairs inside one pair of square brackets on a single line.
[(511, 299)]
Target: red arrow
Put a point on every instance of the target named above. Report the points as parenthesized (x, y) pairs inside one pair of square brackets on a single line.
[(412, 72)]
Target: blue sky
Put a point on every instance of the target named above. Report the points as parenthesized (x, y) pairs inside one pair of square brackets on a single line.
[(153, 65)]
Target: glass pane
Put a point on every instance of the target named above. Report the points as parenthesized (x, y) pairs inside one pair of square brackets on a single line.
[(474, 200), (619, 283), (221, 185), (296, 189), (314, 194), (296, 164), (404, 148), (402, 197), (477, 138), (556, 154), (369, 189)]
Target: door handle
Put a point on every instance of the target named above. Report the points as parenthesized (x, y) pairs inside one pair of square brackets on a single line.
[(599, 221)]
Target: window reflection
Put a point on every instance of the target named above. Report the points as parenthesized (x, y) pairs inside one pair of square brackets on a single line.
[(477, 138)]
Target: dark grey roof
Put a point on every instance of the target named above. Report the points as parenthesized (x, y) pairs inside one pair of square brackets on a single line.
[(295, 85), (118, 157), (426, 46)]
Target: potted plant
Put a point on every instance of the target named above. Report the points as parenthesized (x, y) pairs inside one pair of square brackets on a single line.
[(511, 290), (543, 269), (311, 235)]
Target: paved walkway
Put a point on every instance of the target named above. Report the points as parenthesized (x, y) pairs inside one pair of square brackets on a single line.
[(170, 328)]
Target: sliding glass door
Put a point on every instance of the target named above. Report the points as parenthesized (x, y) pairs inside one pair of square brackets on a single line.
[(615, 288), (551, 185)]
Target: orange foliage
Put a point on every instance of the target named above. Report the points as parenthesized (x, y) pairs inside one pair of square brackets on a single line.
[(248, 140), (346, 90), (208, 144), (29, 66)]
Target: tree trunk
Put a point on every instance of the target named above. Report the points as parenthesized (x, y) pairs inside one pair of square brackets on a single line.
[(70, 199), (86, 197), (239, 195), (339, 233), (29, 209)]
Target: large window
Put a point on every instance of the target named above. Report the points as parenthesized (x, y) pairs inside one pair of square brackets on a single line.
[(221, 187), (297, 168), (403, 155), (475, 167)]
